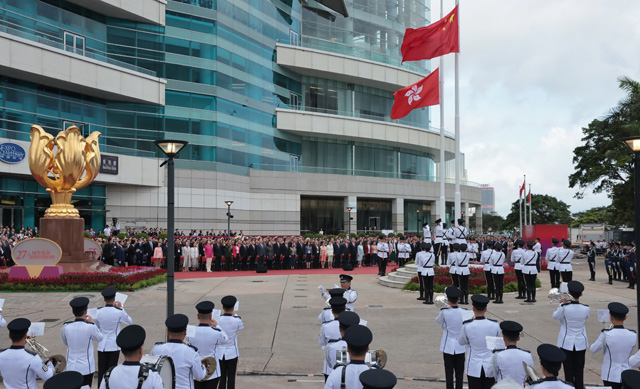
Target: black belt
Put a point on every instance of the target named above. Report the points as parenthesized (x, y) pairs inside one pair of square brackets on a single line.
[(531, 264), (463, 265), (496, 265), (427, 267)]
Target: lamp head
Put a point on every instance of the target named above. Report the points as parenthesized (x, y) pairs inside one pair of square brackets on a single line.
[(170, 148), (633, 142), (228, 202), (349, 209)]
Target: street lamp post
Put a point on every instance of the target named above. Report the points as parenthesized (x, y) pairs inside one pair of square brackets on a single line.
[(349, 222), (228, 202), (170, 148), (634, 145), (418, 222)]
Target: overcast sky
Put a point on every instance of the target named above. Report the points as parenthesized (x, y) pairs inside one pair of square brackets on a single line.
[(532, 74)]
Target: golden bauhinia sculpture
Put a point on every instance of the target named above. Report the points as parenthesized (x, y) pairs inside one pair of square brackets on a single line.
[(74, 165)]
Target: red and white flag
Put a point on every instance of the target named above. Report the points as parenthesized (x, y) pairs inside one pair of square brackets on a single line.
[(521, 190), (529, 197), (421, 94)]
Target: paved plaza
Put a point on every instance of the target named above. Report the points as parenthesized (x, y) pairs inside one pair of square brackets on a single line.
[(278, 347)]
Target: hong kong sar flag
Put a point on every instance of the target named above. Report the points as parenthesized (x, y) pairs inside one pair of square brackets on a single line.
[(421, 94)]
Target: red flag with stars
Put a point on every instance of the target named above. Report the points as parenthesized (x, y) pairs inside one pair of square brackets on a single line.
[(421, 94), (432, 41)]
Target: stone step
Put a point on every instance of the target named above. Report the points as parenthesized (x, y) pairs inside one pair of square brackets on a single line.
[(407, 272), (400, 277), (386, 281)]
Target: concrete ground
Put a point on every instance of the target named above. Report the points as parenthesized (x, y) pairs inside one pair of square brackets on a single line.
[(278, 347)]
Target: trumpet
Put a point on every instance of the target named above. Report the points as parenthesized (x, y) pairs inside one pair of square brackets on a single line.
[(556, 296), (441, 302), (59, 361), (373, 358)]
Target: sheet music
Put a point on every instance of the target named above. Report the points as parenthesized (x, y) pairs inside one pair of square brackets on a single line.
[(603, 315), (191, 331), (1, 303), (495, 343), (235, 307), (564, 288), (93, 312), (215, 315), (121, 297), (36, 329)]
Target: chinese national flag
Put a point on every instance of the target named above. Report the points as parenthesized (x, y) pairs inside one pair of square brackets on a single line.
[(521, 190), (421, 94), (432, 41)]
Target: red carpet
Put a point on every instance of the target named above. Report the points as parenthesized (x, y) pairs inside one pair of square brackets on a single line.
[(248, 273)]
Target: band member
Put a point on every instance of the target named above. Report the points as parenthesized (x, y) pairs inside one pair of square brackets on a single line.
[(331, 329), (349, 294), (497, 271), (378, 379), (572, 338), (108, 321), (617, 344), (452, 260), (66, 379), (552, 263), (516, 258), (551, 359), (358, 338), (230, 324), (18, 366), (345, 319), (485, 258), (453, 352), (630, 379), (565, 255), (78, 336), (186, 360), (209, 336), (508, 362), (530, 272), (437, 242), (327, 315), (591, 259), (462, 269), (130, 341), (473, 334), (427, 258)]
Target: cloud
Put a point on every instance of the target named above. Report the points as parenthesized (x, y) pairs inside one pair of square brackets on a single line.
[(532, 74)]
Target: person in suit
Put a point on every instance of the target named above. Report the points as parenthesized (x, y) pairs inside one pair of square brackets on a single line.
[(244, 255), (120, 254), (300, 253), (353, 252), (131, 252), (337, 253)]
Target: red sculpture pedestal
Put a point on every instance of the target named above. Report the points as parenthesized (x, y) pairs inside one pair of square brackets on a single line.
[(68, 233)]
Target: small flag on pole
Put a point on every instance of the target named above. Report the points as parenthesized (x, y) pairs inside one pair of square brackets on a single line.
[(432, 41), (421, 94), (521, 190)]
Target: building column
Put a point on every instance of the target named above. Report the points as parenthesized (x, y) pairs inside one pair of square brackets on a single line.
[(466, 214), (351, 201), (397, 215), (479, 220)]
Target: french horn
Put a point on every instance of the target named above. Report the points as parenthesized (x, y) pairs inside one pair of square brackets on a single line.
[(556, 296), (210, 364), (59, 361), (441, 302)]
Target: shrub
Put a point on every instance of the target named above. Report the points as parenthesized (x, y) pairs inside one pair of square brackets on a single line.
[(391, 235), (400, 235), (342, 235), (87, 235), (163, 235), (141, 235), (123, 236), (361, 234), (353, 235), (102, 236)]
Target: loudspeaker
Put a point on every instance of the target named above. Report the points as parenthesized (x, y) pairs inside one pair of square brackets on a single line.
[(347, 267), (261, 267)]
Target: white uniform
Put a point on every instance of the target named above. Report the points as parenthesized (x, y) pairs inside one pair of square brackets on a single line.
[(79, 336), (516, 258), (537, 248), (3, 322), (230, 324), (564, 259), (496, 260), (529, 260), (428, 262), (349, 294), (426, 233), (351, 377), (474, 333), (460, 234), (108, 321), (573, 332), (208, 340), (438, 234), (451, 321), (449, 236), (617, 344), (452, 261), (551, 383), (634, 360), (420, 260), (404, 250), (326, 315), (485, 258), (186, 362), (462, 264), (19, 368), (126, 376), (330, 353), (551, 257), (329, 331), (383, 250), (508, 363)]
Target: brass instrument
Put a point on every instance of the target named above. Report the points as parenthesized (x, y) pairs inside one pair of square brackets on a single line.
[(59, 361), (529, 373), (441, 301), (373, 358), (210, 364), (556, 296)]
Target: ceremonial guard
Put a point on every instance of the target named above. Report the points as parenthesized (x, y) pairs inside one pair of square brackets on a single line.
[(474, 332), (345, 319), (497, 271), (572, 338), (447, 241), (509, 362), (451, 319), (537, 247), (349, 294), (108, 320), (631, 267), (485, 259), (437, 241), (419, 262), (452, 259), (530, 272), (78, 336), (186, 360), (516, 258), (19, 367), (565, 255), (378, 379), (591, 259), (551, 359), (331, 330), (461, 232), (358, 338), (404, 251), (617, 344), (327, 315), (209, 337), (426, 233), (428, 274), (462, 270), (66, 380), (552, 263), (383, 254), (230, 323), (131, 374)]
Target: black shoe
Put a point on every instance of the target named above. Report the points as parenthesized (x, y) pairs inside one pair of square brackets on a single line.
[(520, 297), (420, 298), (610, 283), (533, 301), (630, 287), (592, 279), (428, 302)]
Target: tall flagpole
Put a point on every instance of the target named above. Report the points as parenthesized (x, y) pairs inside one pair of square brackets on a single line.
[(525, 200), (520, 213), (457, 134), (530, 206), (443, 173)]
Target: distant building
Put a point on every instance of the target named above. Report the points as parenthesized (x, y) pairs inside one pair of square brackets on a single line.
[(488, 199)]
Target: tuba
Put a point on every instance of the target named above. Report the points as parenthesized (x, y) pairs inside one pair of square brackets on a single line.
[(441, 302), (556, 296), (59, 361)]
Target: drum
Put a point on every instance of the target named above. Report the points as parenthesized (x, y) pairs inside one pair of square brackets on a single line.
[(163, 365)]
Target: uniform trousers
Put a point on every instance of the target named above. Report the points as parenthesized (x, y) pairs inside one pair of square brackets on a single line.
[(608, 268), (553, 276), (464, 284), (444, 254), (453, 364), (613, 385), (482, 382), (382, 266), (228, 373), (490, 286), (574, 367), (106, 359), (566, 276), (592, 268), (422, 287), (498, 282), (521, 284), (436, 248), (87, 380), (428, 283), (530, 281), (210, 384)]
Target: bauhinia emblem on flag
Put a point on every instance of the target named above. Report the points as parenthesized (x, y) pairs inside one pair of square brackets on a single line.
[(521, 190), (432, 41), (421, 94)]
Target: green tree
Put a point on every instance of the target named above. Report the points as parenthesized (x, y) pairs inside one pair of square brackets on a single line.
[(546, 210), (604, 164), (493, 222), (597, 215)]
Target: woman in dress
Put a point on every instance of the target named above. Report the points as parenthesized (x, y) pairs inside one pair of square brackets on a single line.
[(236, 254), (194, 256), (293, 251), (208, 254), (329, 251), (157, 255), (360, 249), (186, 256), (323, 254), (308, 253)]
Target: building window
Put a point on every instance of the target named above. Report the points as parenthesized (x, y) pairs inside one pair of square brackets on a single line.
[(294, 38), (73, 43), (85, 129), (294, 101)]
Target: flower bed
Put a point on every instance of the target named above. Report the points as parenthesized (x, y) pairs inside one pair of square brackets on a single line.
[(477, 281), (123, 278)]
